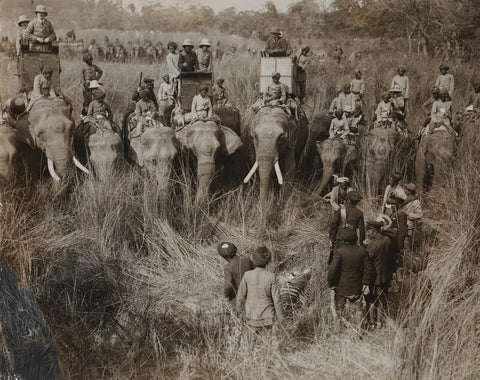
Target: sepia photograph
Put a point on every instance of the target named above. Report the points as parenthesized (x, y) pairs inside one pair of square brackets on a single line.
[(239, 189)]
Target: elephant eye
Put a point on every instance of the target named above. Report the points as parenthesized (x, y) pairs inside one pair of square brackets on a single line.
[(281, 139)]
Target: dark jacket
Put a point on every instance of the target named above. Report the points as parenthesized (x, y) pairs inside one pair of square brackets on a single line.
[(354, 220), (190, 59), (234, 271), (151, 95), (276, 48), (382, 260), (350, 269)]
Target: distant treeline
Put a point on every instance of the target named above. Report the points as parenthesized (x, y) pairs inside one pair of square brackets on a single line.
[(432, 21)]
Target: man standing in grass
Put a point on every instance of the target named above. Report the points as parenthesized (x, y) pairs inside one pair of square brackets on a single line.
[(380, 253), (258, 298), (234, 270), (349, 275), (347, 218)]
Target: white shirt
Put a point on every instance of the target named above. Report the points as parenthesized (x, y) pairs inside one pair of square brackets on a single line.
[(201, 106), (172, 65)]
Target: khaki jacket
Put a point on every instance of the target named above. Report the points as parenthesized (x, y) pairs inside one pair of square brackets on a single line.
[(258, 298)]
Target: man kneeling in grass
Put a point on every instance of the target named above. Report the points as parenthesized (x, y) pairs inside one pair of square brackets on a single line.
[(258, 298)]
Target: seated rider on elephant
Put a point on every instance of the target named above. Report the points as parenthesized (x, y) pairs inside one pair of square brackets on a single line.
[(441, 115), (202, 105), (276, 94), (384, 113), (338, 127), (145, 111), (99, 107)]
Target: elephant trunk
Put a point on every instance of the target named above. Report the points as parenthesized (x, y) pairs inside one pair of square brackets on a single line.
[(61, 162), (326, 175), (376, 171), (265, 168), (205, 172), (162, 175)]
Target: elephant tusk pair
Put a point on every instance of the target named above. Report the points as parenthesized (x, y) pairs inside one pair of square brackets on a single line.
[(51, 170), (278, 172), (80, 166)]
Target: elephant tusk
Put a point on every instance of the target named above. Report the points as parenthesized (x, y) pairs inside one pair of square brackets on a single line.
[(51, 170), (80, 166), (278, 172), (251, 172)]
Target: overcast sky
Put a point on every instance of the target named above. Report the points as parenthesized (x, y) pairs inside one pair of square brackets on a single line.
[(218, 5)]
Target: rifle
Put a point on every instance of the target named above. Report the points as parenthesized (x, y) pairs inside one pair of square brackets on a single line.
[(140, 80)]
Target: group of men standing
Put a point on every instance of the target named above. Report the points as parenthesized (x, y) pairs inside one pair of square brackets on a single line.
[(364, 257)]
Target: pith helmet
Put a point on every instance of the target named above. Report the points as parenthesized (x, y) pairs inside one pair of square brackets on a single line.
[(41, 9), (205, 42), (275, 30), (187, 42), (93, 84), (22, 18)]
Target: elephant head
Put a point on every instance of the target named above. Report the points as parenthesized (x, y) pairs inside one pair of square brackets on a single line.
[(48, 126), (274, 136), (379, 146), (330, 152), (105, 148), (435, 151), (155, 150), (207, 141)]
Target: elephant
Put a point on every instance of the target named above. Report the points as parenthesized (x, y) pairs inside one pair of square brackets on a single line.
[(208, 141), (378, 145), (48, 126), (279, 141), (155, 150), (333, 152), (434, 151), (229, 117), (105, 148), (319, 128)]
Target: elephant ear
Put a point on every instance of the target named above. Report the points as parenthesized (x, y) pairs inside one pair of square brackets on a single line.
[(232, 140), (291, 133), (182, 136)]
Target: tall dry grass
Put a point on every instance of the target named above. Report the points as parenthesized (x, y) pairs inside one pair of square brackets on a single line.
[(131, 286)]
